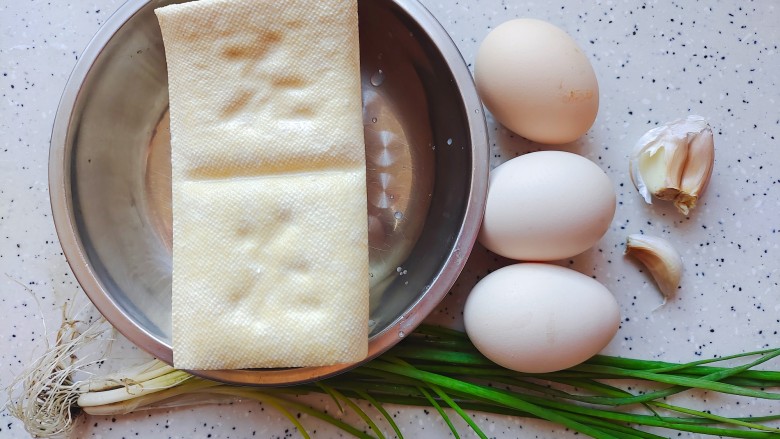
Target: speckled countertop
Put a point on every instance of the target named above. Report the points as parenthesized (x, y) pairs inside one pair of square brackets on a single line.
[(655, 61)]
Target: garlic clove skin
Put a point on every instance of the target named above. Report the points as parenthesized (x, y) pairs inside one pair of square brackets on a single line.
[(698, 170), (674, 162), (661, 259)]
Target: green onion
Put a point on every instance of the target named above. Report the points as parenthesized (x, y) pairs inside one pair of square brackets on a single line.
[(434, 367)]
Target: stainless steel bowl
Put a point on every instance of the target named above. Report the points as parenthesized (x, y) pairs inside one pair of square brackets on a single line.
[(427, 157)]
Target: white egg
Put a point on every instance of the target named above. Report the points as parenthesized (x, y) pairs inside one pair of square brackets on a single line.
[(538, 318), (545, 206), (536, 81)]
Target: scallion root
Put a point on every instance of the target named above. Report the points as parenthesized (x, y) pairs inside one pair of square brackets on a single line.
[(44, 396)]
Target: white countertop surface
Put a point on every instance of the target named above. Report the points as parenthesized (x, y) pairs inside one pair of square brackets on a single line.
[(656, 61)]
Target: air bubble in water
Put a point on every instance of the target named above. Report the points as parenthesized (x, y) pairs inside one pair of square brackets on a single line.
[(401, 334), (449, 141), (399, 215), (378, 78), (373, 120)]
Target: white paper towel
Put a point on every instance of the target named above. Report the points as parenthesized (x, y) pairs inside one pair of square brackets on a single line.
[(270, 251)]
